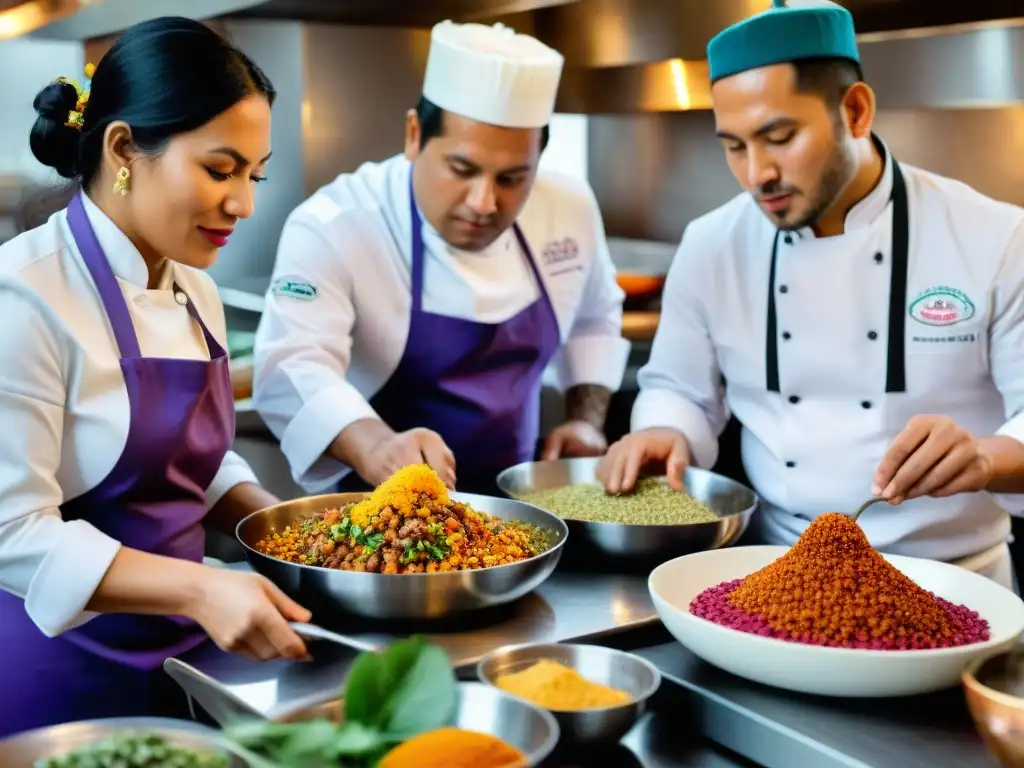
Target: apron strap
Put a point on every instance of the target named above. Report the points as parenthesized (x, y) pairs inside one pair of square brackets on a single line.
[(214, 346), (418, 254), (103, 276), (896, 375), (417, 251)]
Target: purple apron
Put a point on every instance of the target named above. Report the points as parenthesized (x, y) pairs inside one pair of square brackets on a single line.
[(182, 424), (475, 384)]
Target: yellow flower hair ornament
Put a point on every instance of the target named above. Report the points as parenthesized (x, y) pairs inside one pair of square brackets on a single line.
[(75, 116)]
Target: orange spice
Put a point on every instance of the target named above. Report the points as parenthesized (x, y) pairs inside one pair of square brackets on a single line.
[(833, 587)]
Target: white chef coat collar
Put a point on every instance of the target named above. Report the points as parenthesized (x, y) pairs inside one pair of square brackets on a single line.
[(871, 206), (124, 258)]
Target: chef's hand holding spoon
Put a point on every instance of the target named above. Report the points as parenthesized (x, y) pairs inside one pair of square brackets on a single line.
[(656, 449), (932, 456)]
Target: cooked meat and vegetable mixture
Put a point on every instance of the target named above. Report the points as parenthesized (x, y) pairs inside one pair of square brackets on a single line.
[(409, 524)]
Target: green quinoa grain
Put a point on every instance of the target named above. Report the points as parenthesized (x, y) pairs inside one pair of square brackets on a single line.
[(651, 502)]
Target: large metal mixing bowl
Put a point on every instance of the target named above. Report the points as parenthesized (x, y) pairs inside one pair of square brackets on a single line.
[(24, 749), (404, 596), (732, 502)]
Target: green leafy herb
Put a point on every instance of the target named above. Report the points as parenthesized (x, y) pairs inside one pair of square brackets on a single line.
[(339, 531), (374, 541), (356, 532), (390, 696)]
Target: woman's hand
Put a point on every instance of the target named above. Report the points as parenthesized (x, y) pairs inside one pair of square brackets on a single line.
[(246, 613)]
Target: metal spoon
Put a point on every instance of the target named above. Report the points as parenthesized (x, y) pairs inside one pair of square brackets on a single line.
[(864, 506)]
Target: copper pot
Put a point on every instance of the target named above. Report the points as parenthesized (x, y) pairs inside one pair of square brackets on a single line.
[(994, 688)]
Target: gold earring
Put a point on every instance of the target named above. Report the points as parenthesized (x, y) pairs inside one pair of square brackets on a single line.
[(121, 184)]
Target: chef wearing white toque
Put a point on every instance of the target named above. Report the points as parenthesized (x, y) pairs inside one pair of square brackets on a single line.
[(416, 302)]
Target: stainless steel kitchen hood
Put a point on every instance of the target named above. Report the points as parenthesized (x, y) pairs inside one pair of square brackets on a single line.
[(627, 56), (976, 67), (397, 13), (86, 19)]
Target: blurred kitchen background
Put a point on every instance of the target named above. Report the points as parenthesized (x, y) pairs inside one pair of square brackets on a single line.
[(634, 117)]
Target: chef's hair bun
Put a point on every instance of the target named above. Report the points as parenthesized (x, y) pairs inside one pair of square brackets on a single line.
[(53, 141)]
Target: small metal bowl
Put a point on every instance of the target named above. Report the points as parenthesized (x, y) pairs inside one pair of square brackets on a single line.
[(607, 666), (994, 688), (732, 502), (484, 709), (24, 749), (401, 596)]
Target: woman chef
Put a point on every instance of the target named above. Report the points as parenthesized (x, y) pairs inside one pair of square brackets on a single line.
[(115, 399), (867, 316), (416, 302)]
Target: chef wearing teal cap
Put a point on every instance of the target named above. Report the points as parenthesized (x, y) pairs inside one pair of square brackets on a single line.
[(863, 319)]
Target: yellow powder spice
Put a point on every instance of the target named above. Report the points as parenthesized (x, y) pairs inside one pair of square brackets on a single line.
[(557, 687), (402, 492)]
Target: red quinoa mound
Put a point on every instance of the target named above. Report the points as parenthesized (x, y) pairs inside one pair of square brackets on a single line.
[(833, 589)]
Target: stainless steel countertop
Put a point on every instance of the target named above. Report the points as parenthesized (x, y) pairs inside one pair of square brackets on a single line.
[(568, 606), (782, 729), (662, 738), (659, 740)]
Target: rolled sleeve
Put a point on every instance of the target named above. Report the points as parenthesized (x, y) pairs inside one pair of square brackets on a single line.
[(233, 471), (598, 360), (78, 558), (1006, 337), (303, 349), (594, 351), (55, 565), (680, 386), (310, 433)]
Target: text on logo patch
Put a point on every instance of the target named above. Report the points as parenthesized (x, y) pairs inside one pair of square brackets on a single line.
[(557, 251), (941, 305), (295, 289)]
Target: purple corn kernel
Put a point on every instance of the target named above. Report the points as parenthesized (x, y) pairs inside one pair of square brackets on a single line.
[(713, 605)]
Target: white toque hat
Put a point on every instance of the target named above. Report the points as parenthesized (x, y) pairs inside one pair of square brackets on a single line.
[(492, 74)]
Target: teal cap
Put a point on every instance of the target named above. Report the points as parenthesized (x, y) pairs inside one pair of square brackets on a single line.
[(783, 34)]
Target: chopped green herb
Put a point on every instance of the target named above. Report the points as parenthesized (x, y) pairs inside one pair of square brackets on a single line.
[(435, 551)]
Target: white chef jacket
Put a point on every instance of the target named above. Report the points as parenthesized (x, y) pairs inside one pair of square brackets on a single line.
[(64, 406), (320, 356), (815, 446)]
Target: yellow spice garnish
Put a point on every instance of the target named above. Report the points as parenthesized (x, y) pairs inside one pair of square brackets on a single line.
[(402, 493), (554, 686)]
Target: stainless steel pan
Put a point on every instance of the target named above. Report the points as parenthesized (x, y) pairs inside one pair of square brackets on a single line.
[(406, 596)]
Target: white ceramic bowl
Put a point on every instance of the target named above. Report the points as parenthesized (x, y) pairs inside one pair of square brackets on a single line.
[(829, 671)]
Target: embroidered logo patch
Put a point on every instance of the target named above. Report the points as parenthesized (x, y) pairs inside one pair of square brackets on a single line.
[(941, 306), (294, 289), (558, 251)]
